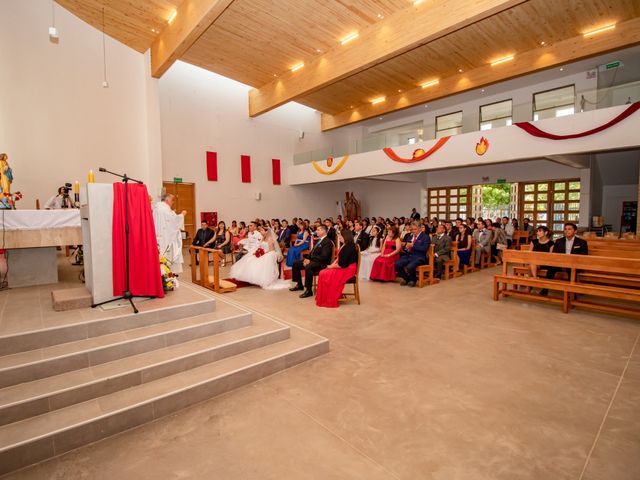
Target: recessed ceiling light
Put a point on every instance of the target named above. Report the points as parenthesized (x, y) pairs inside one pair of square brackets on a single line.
[(318, 50), (502, 60), (417, 2), (430, 83), (399, 90), (380, 118), (348, 38), (482, 90), (460, 70), (380, 16), (426, 106), (562, 69), (350, 106), (275, 74), (599, 30), (297, 67), (542, 42), (172, 16), (377, 100)]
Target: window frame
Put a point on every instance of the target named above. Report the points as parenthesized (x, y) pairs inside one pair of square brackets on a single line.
[(446, 115), (533, 100), (497, 118)]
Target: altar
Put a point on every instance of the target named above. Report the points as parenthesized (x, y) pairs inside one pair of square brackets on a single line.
[(31, 238)]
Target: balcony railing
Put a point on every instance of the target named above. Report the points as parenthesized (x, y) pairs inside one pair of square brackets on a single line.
[(585, 100)]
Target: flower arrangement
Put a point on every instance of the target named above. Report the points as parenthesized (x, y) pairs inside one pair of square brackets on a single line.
[(169, 279), (8, 200), (259, 252)]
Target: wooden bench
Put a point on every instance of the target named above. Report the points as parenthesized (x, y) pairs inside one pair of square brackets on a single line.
[(425, 272), (596, 265), (451, 266)]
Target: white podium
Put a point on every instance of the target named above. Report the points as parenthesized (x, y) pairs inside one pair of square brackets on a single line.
[(97, 220)]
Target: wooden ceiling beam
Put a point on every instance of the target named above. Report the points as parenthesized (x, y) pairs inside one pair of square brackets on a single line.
[(626, 34), (192, 19), (403, 31)]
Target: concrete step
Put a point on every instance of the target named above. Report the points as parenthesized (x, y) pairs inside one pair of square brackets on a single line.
[(38, 438), (100, 323), (54, 360), (29, 399)]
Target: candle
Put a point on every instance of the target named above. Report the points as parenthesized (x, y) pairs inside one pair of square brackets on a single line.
[(91, 176), (76, 187)]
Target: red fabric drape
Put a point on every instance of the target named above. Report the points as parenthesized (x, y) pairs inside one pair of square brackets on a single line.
[(245, 165), (536, 132), (212, 166), (275, 167), (144, 260), (396, 158)]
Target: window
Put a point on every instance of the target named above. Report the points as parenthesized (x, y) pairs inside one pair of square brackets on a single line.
[(450, 124), (496, 115), (551, 203), (554, 103), (449, 203)]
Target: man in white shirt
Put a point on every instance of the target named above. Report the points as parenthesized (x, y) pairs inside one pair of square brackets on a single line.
[(251, 243)]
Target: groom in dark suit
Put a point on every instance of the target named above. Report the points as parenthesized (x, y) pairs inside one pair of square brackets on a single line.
[(417, 249), (317, 260)]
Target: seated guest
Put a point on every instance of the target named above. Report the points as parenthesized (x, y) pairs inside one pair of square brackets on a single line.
[(508, 228), (368, 256), (498, 242), (203, 235), (482, 237), (332, 279), (527, 227), (234, 228), (442, 249), (241, 235), (293, 227), (569, 244), (406, 238), (302, 243), (314, 262), (542, 243), (417, 249), (415, 216), (331, 230), (465, 239), (368, 226), (360, 237), (383, 266), (284, 236), (222, 239), (450, 230)]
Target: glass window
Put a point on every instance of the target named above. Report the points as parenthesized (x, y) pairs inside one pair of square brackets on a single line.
[(554, 103), (497, 114), (450, 124)]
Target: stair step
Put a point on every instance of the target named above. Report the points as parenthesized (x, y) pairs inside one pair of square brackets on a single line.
[(38, 438), (36, 364), (26, 400), (102, 323)]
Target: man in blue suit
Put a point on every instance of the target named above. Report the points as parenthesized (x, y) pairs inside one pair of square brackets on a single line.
[(417, 249)]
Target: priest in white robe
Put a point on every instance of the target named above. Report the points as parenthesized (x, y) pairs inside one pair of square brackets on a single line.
[(169, 226)]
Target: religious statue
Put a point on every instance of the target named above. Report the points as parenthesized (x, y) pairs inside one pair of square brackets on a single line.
[(352, 208), (6, 178)]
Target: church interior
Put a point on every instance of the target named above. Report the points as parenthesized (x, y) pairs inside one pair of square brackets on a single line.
[(320, 239)]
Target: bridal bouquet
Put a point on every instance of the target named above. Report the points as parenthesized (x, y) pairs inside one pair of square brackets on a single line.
[(169, 279), (259, 252)]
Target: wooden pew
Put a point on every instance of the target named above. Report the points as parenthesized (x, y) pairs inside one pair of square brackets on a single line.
[(575, 263), (451, 266), (425, 272)]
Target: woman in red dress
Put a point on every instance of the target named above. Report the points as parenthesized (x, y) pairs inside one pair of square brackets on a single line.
[(331, 280), (383, 267)]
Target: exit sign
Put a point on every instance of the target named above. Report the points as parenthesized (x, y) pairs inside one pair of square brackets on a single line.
[(501, 180), (610, 66), (177, 179)]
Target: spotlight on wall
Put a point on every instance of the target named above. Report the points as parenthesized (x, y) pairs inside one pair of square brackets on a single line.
[(54, 37)]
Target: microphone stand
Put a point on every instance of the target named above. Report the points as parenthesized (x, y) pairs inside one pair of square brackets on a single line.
[(126, 294)]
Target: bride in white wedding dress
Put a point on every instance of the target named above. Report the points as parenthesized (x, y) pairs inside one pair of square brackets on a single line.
[(261, 269)]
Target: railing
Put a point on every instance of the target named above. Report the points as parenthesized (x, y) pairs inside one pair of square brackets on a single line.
[(585, 100)]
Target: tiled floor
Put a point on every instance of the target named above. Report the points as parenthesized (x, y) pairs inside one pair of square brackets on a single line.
[(437, 383)]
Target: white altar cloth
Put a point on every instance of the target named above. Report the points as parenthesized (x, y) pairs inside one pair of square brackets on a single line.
[(40, 219)]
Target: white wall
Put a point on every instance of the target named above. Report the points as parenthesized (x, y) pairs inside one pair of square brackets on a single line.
[(56, 120), (387, 198), (612, 198), (202, 111)]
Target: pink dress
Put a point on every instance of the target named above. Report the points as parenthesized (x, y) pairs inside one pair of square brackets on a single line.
[(384, 267), (331, 283)]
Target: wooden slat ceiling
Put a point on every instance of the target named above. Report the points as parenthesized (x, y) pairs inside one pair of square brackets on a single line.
[(135, 23), (519, 29), (257, 41)]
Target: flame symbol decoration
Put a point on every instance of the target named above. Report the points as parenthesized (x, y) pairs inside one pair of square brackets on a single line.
[(418, 153), (329, 161), (482, 146)]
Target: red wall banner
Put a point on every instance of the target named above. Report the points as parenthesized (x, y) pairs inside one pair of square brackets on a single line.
[(245, 163), (275, 166), (212, 166)]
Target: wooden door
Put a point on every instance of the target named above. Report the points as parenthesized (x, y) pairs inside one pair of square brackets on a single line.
[(185, 194)]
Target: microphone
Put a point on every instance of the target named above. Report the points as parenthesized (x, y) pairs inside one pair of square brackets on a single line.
[(102, 169)]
